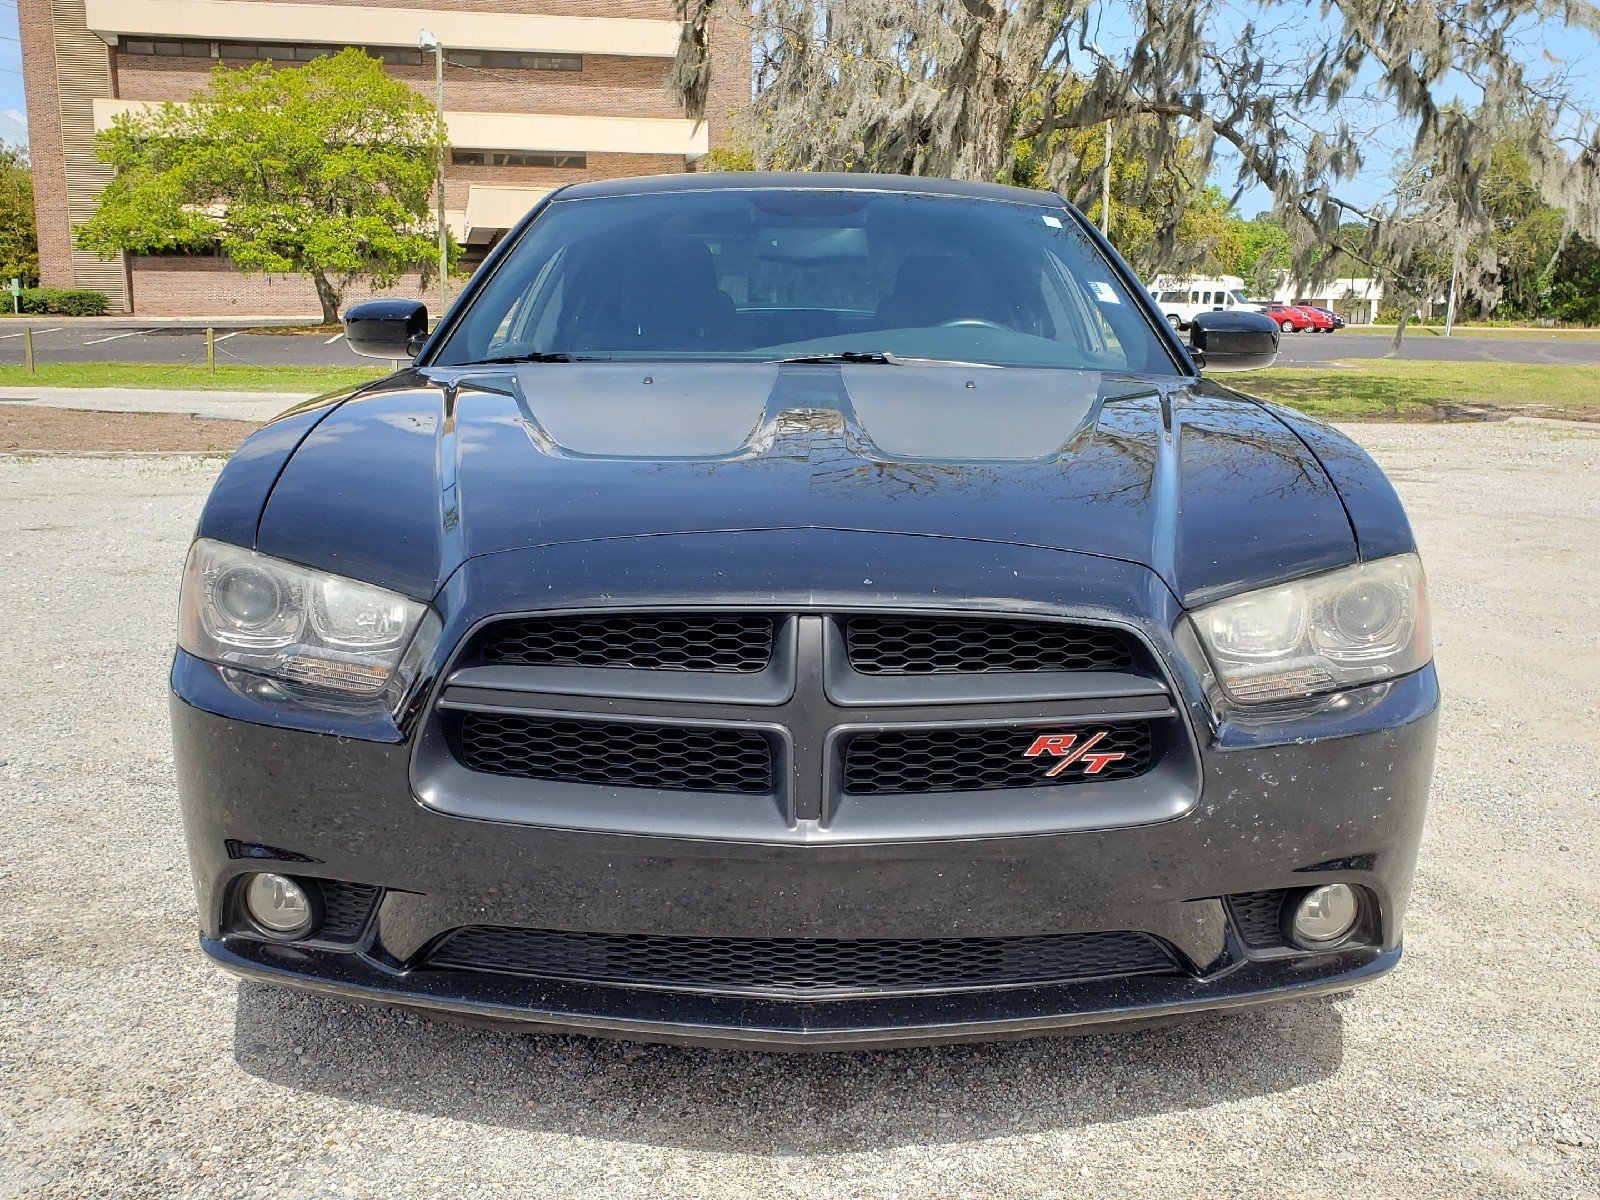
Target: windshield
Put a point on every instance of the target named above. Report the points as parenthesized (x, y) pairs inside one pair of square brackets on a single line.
[(763, 274)]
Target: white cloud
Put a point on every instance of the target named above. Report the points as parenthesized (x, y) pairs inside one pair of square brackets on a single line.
[(13, 127)]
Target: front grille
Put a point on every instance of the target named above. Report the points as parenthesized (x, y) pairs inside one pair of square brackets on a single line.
[(800, 966), (616, 753), (913, 645), (796, 708), (905, 761), (724, 642)]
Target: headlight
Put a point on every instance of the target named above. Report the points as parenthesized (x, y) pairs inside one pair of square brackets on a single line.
[(325, 635), (1356, 625)]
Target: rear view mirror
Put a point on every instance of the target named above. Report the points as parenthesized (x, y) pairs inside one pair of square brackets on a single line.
[(386, 328), (1233, 341), (808, 245)]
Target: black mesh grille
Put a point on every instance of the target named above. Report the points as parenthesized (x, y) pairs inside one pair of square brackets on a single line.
[(900, 761), (618, 753), (800, 966), (729, 642), (1259, 918), (345, 908), (882, 645)]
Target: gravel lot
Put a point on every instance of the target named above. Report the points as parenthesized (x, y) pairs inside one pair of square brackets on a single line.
[(130, 1067)]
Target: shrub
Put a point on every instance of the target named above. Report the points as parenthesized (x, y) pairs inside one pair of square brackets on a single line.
[(81, 302), (66, 302)]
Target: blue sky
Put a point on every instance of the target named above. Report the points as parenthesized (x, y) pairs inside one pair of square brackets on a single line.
[(11, 106), (1578, 51)]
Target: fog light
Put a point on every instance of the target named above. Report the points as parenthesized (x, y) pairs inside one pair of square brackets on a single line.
[(1324, 915), (279, 905)]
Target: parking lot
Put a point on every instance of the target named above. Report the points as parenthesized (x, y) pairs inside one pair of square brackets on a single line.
[(130, 1067), (132, 342)]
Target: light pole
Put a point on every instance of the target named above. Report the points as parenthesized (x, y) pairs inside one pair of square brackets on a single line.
[(1450, 305), (426, 41)]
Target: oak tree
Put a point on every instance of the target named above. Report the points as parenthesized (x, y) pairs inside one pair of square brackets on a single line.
[(324, 170), (1277, 94)]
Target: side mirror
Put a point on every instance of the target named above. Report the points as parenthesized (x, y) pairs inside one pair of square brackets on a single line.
[(1234, 341), (386, 328)]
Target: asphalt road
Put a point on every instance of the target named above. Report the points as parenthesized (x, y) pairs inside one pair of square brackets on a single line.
[(136, 343), (130, 1067), (1308, 349), (57, 342)]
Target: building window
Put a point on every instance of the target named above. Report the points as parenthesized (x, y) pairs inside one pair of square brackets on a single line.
[(272, 51), (513, 60), (393, 56), (519, 158), (170, 48)]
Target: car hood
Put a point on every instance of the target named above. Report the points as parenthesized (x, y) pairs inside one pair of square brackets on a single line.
[(406, 480)]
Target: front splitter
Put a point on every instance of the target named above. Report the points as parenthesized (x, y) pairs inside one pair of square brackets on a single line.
[(870, 1023)]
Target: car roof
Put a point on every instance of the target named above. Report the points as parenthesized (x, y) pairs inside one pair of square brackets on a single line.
[(722, 181)]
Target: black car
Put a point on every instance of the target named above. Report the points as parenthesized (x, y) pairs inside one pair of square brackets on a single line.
[(803, 611)]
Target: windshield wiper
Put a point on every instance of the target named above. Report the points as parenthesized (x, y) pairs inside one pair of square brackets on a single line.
[(844, 356), (883, 357), (534, 356)]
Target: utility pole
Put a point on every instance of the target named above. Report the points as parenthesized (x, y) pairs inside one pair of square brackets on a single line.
[(427, 41)]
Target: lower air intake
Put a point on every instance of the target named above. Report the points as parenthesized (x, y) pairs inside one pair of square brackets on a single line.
[(345, 908), (800, 966), (1258, 916)]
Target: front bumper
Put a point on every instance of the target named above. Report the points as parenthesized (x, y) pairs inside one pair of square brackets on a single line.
[(1272, 815)]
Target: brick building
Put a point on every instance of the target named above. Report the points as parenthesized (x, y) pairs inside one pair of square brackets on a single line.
[(537, 93)]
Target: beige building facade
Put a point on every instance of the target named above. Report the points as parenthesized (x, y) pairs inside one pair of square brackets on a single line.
[(538, 93)]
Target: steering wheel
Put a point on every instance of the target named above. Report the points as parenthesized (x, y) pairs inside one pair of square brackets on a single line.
[(978, 322)]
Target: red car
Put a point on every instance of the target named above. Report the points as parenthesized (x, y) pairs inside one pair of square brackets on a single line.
[(1321, 321), (1291, 318)]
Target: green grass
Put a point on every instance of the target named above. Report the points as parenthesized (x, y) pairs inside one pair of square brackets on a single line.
[(1485, 331), (1364, 388), (1416, 390), (190, 377)]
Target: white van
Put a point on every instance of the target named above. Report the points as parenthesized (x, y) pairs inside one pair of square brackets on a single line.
[(1180, 304)]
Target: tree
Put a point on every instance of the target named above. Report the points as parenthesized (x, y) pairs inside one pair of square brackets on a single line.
[(1525, 238), (324, 170), (1140, 206), (956, 87), (1575, 283), (1262, 254), (19, 246)]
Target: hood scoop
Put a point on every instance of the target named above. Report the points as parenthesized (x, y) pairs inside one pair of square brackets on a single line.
[(710, 412), (657, 411), (970, 413)]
